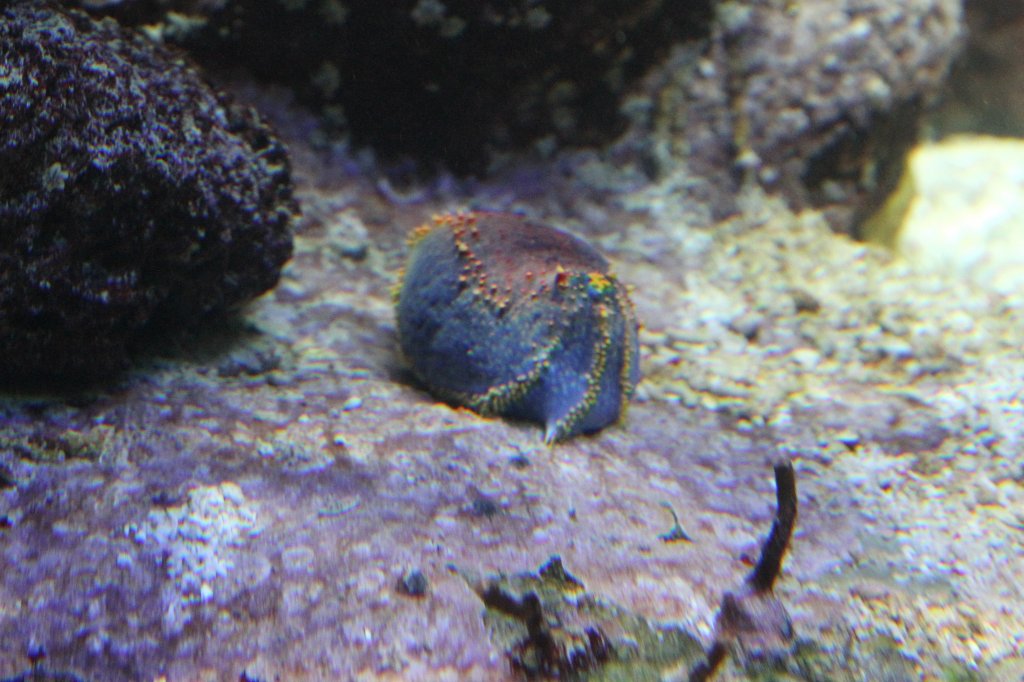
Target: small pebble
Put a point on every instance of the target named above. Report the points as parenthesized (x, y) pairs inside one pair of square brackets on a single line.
[(413, 583)]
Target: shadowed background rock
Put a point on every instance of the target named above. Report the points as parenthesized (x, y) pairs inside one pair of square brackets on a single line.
[(396, 74), (130, 194), (815, 101)]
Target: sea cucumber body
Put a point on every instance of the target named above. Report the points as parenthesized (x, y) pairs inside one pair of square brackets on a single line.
[(518, 319)]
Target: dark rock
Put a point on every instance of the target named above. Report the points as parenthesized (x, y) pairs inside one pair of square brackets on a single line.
[(413, 583), (7, 479), (131, 194), (551, 627), (483, 507)]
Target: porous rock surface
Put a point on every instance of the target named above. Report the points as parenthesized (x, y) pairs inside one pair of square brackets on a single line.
[(816, 101), (130, 193)]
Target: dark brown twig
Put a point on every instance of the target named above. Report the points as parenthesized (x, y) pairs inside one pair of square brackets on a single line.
[(753, 618), (770, 564), (705, 669)]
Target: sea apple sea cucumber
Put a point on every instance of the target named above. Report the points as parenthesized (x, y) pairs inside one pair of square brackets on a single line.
[(510, 317)]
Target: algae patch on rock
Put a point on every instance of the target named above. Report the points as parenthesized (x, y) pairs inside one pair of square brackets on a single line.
[(548, 625)]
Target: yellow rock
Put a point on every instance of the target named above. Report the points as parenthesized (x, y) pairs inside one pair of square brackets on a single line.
[(959, 209)]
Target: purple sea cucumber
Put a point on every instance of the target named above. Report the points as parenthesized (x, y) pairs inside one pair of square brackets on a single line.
[(514, 318)]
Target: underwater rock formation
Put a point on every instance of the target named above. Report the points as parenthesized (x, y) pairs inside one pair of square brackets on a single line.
[(443, 82), (519, 319), (896, 395), (816, 101), (551, 627), (130, 193), (959, 212)]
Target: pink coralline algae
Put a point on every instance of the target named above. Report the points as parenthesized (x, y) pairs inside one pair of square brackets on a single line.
[(512, 318)]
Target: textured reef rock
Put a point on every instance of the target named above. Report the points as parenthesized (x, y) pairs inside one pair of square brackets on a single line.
[(288, 506), (130, 193), (515, 318), (814, 100), (550, 627)]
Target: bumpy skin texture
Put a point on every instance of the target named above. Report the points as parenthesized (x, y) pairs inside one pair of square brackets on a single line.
[(514, 318), (130, 194)]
